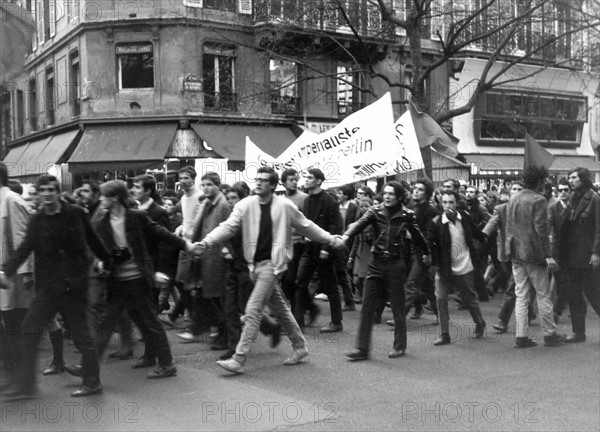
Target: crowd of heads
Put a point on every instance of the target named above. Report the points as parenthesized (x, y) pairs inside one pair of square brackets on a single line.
[(143, 186)]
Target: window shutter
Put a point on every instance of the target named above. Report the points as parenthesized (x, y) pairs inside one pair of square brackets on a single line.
[(39, 19), (52, 17), (245, 7)]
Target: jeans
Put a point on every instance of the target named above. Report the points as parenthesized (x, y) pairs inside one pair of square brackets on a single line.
[(465, 284), (267, 291), (72, 305), (532, 276), (310, 262), (385, 278), (135, 297), (579, 281), (238, 288)]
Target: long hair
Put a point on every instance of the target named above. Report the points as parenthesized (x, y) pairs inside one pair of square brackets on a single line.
[(118, 189), (585, 176)]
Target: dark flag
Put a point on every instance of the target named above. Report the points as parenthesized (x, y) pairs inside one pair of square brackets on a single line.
[(535, 154)]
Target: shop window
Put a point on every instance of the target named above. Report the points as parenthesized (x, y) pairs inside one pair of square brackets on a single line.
[(136, 65)]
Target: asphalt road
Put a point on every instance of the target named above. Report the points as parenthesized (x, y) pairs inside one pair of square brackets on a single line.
[(469, 385)]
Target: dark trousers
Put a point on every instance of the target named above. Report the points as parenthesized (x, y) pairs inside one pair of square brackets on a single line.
[(562, 298), (288, 284), (206, 311), (12, 353), (97, 307), (465, 284), (418, 282), (238, 287), (385, 279), (309, 262), (343, 278), (184, 302), (72, 305), (580, 281), (510, 298), (135, 296)]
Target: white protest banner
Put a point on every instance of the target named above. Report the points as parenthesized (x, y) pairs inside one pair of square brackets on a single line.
[(402, 156)]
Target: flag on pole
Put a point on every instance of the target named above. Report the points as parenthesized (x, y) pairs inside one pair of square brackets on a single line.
[(429, 133), (16, 31), (535, 154)]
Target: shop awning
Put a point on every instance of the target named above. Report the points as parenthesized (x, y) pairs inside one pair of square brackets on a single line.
[(122, 147), (567, 163), (13, 157), (31, 161), (229, 141)]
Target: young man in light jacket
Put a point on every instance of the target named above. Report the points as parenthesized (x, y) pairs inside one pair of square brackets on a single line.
[(266, 221)]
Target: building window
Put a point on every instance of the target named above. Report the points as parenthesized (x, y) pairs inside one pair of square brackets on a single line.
[(547, 117), (136, 65), (72, 10), (225, 5), (75, 85), (33, 108), (50, 96), (284, 87), (348, 90), (218, 78), (20, 112)]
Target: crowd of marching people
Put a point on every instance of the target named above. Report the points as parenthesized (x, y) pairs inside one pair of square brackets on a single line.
[(232, 261)]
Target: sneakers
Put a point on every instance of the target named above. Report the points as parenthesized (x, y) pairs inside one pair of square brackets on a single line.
[(524, 342), (500, 327), (231, 365), (444, 339), (554, 340), (322, 297), (296, 357), (576, 338), (163, 372), (188, 337)]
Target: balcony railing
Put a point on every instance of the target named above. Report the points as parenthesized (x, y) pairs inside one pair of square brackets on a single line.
[(365, 18), (219, 101), (289, 105)]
